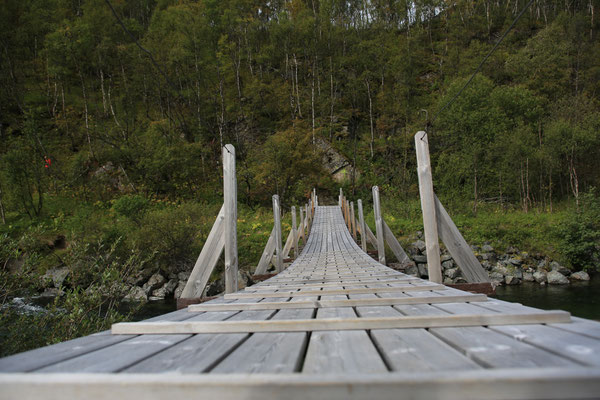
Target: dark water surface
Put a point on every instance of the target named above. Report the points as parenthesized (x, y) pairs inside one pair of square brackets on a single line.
[(581, 299)]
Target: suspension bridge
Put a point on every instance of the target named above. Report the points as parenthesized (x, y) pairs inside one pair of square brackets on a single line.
[(336, 323)]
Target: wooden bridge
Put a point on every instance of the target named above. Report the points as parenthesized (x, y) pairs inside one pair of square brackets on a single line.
[(335, 324)]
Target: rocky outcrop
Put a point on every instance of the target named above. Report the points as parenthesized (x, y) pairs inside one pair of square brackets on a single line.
[(580, 276), (556, 278)]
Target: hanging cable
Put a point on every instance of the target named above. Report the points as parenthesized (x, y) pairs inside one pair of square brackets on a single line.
[(481, 63)]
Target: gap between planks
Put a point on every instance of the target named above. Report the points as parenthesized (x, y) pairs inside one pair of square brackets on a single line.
[(339, 324)]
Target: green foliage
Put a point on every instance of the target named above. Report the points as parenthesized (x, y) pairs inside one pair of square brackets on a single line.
[(131, 206), (579, 234)]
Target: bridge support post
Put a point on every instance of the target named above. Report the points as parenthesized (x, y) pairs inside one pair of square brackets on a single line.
[(277, 219), (363, 229), (428, 207), (353, 221), (294, 232), (379, 226), (230, 205)]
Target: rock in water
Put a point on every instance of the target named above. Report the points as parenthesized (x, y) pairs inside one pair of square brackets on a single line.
[(556, 278), (528, 277), (136, 294), (155, 281), (540, 276), (580, 276)]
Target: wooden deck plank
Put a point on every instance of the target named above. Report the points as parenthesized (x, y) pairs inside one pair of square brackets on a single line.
[(331, 352)]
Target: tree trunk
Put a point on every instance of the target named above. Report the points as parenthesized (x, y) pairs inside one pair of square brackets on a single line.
[(2, 213), (370, 116)]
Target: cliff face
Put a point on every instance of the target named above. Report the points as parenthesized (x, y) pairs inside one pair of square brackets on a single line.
[(335, 163)]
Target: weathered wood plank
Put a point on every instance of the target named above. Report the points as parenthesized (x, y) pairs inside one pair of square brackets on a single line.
[(335, 303), (421, 321), (428, 207), (277, 228), (267, 254), (394, 245), (211, 251), (458, 247), (405, 288), (230, 219)]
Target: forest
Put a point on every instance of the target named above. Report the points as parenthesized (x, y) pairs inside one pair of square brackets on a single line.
[(113, 114)]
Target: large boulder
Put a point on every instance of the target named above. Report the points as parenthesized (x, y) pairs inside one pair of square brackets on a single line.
[(452, 273), (540, 276), (580, 276), (448, 264), (528, 277), (423, 271), (155, 281), (166, 290), (136, 294), (419, 245), (179, 289), (511, 280), (420, 259), (412, 270), (497, 277), (554, 266), (556, 278), (500, 269)]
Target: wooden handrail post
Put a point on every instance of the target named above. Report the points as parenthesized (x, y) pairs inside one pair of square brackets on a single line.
[(302, 225), (340, 198), (230, 205), (277, 219), (294, 232), (428, 207), (363, 230), (378, 226), (352, 220)]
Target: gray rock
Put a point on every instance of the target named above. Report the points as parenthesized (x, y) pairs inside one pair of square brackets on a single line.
[(140, 277), (184, 276), (497, 277), (512, 280), (179, 289), (448, 281), (487, 248), (448, 264), (515, 261), (500, 269), (412, 270), (56, 276), (580, 276), (420, 259), (460, 279), (419, 245), (155, 281), (51, 293), (517, 273), (487, 265), (445, 257), (543, 264), (542, 283), (528, 277), (423, 273), (214, 288), (540, 276), (554, 266), (166, 290), (451, 273), (136, 294), (556, 278), (512, 250)]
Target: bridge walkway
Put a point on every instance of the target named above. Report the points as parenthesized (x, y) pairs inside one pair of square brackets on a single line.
[(301, 334)]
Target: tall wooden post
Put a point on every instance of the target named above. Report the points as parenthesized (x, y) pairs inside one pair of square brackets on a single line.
[(278, 249), (363, 228), (340, 197), (352, 220), (378, 226), (302, 225), (294, 232), (428, 207), (230, 206)]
